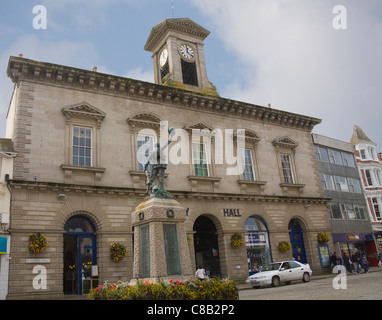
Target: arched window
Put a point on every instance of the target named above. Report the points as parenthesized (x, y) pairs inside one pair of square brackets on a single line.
[(79, 224), (257, 243)]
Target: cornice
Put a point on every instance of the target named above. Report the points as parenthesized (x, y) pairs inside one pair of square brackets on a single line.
[(21, 69), (184, 25), (177, 194)]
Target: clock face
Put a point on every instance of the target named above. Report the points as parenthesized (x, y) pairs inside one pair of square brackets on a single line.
[(163, 57), (186, 51)]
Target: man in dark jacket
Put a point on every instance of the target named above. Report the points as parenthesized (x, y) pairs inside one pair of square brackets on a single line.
[(357, 259), (346, 261)]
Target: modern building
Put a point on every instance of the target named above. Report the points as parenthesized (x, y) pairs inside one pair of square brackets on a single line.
[(340, 179), (83, 137), (7, 155), (370, 168)]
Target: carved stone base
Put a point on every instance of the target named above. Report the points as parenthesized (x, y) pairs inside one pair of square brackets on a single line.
[(160, 240)]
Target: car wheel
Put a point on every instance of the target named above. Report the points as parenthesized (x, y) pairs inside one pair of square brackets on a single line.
[(275, 281), (306, 277)]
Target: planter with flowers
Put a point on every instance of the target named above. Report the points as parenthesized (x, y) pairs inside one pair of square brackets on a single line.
[(284, 246), (236, 240), (37, 242), (117, 251), (322, 238)]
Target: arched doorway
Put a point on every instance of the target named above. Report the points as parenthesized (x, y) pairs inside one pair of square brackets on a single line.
[(80, 254), (257, 244), (206, 246), (297, 240)]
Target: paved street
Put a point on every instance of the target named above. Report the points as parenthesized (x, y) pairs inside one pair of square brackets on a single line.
[(359, 287)]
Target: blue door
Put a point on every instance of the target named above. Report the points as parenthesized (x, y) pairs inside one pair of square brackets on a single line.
[(297, 241), (79, 254)]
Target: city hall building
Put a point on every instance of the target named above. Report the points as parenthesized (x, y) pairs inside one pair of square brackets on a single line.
[(79, 170)]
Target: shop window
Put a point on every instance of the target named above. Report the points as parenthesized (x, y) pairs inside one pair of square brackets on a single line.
[(257, 244)]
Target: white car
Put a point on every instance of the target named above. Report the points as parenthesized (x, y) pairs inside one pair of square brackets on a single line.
[(280, 272)]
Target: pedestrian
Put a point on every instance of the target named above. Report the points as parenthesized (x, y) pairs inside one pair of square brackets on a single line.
[(380, 257), (334, 259), (357, 259), (365, 263), (346, 261), (200, 273)]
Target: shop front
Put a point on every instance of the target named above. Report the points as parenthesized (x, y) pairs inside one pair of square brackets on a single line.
[(348, 242), (257, 244)]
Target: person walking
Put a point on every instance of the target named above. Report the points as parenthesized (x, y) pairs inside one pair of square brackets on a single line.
[(346, 261), (365, 263), (380, 257), (357, 259), (334, 259)]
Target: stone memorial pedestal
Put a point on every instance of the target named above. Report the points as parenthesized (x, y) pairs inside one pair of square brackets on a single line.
[(160, 240)]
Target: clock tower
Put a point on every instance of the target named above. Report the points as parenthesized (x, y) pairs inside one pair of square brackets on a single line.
[(178, 55)]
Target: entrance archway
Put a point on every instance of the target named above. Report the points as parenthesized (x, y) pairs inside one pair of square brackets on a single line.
[(206, 246), (257, 243), (80, 254), (297, 240)]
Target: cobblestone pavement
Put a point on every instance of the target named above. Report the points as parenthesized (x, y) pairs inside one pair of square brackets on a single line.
[(359, 287)]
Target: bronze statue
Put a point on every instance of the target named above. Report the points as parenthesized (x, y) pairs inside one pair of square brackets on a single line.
[(159, 164)]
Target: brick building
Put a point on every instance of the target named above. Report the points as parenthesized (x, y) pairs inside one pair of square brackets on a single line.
[(370, 168)]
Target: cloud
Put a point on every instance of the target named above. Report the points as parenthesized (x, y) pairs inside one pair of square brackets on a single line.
[(290, 56)]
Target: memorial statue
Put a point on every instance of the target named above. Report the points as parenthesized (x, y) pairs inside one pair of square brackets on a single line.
[(159, 164)]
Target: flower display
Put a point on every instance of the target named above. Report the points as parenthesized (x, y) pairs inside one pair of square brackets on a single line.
[(322, 238), (210, 289), (37, 242), (236, 240), (117, 251), (284, 246)]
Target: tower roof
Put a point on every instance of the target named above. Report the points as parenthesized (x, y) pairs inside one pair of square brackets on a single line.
[(359, 136), (185, 25)]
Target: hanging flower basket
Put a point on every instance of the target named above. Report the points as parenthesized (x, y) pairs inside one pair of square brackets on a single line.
[(236, 240), (284, 246), (117, 251), (37, 242), (322, 238)]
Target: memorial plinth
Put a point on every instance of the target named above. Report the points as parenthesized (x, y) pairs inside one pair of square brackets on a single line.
[(160, 240)]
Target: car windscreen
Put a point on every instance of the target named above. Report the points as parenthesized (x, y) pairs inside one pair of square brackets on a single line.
[(272, 267)]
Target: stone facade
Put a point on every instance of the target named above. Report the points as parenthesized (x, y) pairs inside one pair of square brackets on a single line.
[(48, 188)]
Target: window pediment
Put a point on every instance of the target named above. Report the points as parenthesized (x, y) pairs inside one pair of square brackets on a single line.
[(198, 126), (285, 142), (83, 110), (147, 120)]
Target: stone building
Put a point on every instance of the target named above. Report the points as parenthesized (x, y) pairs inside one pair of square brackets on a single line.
[(78, 174), (370, 169), (341, 182)]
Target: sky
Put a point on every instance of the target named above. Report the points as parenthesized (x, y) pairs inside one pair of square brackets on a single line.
[(302, 56)]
